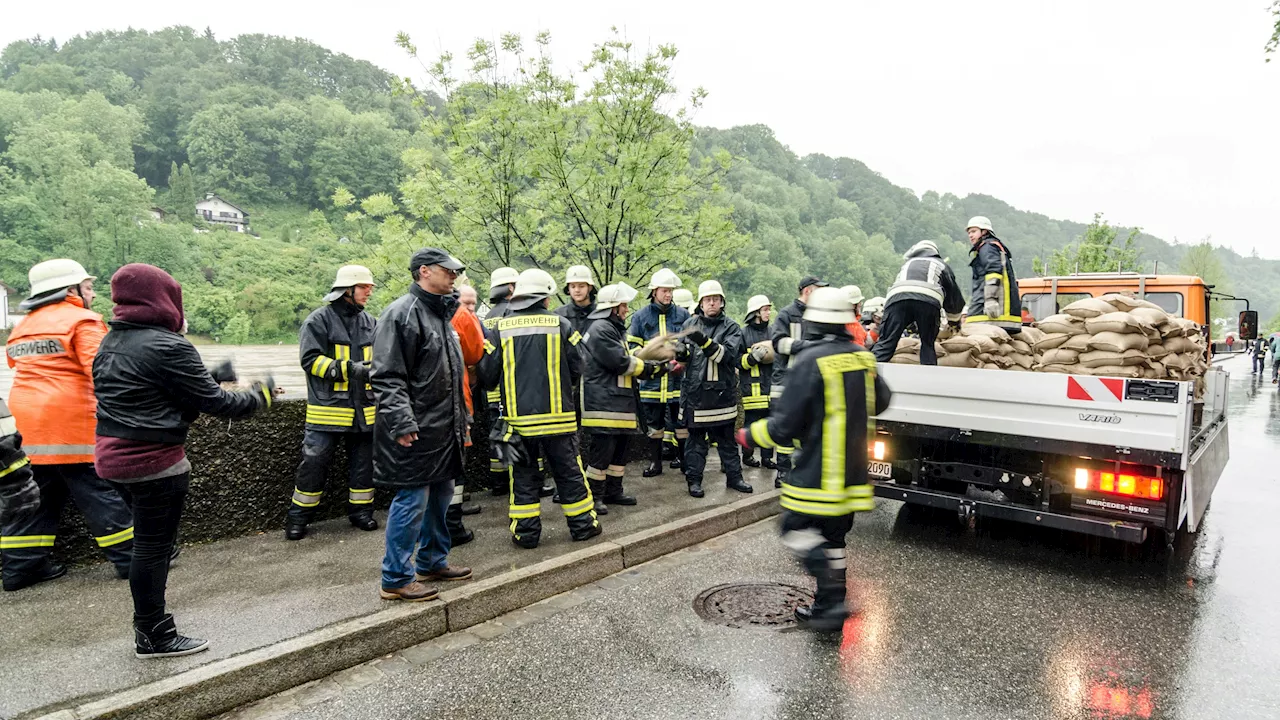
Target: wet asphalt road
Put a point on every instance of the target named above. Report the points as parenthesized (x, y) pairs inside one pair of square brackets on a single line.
[(1007, 622)]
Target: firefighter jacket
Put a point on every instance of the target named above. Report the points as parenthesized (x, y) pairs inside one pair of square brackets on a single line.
[(833, 394), (417, 376), (499, 310), (610, 379), (577, 315), (646, 324), (786, 333), (993, 280), (926, 277), (532, 357), (52, 352), (15, 466), (754, 380), (336, 349), (709, 390)]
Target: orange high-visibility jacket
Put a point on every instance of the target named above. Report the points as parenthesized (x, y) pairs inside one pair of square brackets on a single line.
[(52, 401)]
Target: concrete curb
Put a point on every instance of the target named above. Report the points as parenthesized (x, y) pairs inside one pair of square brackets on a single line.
[(226, 684)]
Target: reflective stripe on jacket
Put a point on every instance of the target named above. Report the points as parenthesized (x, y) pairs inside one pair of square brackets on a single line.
[(609, 379), (710, 385), (646, 324), (754, 380), (500, 309), (532, 357), (785, 331), (993, 275), (335, 345), (52, 400)]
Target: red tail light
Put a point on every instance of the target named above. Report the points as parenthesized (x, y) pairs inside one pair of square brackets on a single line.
[(1129, 485)]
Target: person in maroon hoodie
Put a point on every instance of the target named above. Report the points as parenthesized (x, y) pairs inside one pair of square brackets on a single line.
[(151, 384)]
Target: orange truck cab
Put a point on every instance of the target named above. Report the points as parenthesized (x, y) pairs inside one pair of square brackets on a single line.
[(1184, 296)]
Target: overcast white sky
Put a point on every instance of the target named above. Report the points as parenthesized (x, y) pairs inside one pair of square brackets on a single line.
[(1158, 113)]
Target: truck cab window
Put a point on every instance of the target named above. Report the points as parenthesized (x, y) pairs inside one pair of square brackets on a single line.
[(1170, 302), (1041, 305)]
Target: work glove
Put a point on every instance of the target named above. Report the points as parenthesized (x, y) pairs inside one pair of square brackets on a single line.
[(741, 437), (991, 308), (19, 499), (359, 372), (224, 372), (507, 448), (654, 369), (697, 337), (682, 353), (268, 390), (757, 355)]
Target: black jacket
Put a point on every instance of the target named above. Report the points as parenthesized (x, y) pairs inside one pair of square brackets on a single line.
[(787, 333), (497, 311), (151, 385), (335, 348), (417, 375), (610, 387), (648, 323), (925, 276), (533, 359), (832, 392), (754, 380), (577, 316), (993, 278), (709, 390)]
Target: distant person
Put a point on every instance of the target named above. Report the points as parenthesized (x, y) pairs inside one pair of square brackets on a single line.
[(151, 385), (925, 288), (335, 345), (52, 400), (994, 298), (1259, 353), (856, 328), (421, 427), (581, 289), (1231, 341), (755, 373)]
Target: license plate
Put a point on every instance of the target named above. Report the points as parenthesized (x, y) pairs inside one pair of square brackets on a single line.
[(882, 470)]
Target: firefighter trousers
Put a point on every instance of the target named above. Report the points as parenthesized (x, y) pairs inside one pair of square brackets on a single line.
[(561, 454), (819, 543), (27, 543), (695, 453), (897, 318), (318, 448), (607, 461), (766, 454)]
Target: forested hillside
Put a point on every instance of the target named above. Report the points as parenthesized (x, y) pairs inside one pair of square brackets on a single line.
[(334, 164)]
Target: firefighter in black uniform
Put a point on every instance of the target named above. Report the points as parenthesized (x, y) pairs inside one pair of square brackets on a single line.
[(532, 357), (501, 284), (581, 289), (833, 393), (756, 370), (994, 298), (19, 493), (660, 396), (787, 334), (924, 289), (336, 347), (610, 400), (709, 391)]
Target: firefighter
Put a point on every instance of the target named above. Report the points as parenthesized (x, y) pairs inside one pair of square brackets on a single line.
[(756, 371), (660, 396), (994, 298), (786, 332), (709, 391), (856, 329), (336, 349), (581, 289), (684, 299), (501, 283), (609, 399), (532, 357), (52, 352), (871, 318), (19, 493), (832, 394), (925, 288)]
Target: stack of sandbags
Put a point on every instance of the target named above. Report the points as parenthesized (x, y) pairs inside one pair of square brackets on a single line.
[(908, 352), (986, 346)]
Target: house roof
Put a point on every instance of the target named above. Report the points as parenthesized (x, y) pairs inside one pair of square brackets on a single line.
[(215, 196)]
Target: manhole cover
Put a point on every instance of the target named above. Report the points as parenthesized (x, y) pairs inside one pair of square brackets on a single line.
[(766, 605)]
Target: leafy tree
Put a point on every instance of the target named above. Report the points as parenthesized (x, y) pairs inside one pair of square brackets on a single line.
[(1096, 251), (1201, 260)]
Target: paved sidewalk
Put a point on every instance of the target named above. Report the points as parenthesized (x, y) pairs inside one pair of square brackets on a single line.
[(71, 639)]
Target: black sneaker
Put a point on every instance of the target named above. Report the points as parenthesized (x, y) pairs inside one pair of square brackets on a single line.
[(51, 571), (162, 641)]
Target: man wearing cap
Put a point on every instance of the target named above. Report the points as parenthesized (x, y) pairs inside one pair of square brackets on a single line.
[(421, 426), (660, 396), (786, 332), (53, 404), (994, 298), (581, 289), (833, 393), (609, 395), (336, 349), (709, 391), (756, 371), (533, 358), (925, 287)]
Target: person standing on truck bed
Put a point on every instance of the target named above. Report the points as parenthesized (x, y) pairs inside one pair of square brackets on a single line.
[(925, 285), (787, 335), (994, 298), (832, 393)]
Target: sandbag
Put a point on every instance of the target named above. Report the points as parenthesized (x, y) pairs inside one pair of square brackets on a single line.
[(1176, 361), (1079, 343), (1005, 348), (1118, 342), (1104, 358), (1156, 351), (1179, 345), (1088, 308), (1115, 371), (1020, 346), (1061, 369), (1173, 329), (985, 344), (1017, 368), (990, 366), (1001, 361), (1128, 303), (1060, 356), (1062, 324), (908, 344), (1021, 362), (1156, 370), (1049, 342), (1157, 317), (905, 360), (1030, 335), (960, 344), (964, 360), (984, 329), (1117, 322)]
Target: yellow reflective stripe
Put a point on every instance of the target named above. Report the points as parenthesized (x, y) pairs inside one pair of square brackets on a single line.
[(518, 512), (802, 493), (833, 425), (579, 507), (755, 403), (342, 354), (509, 376), (340, 417), (488, 347), (985, 318), (321, 366), (784, 450), (542, 418), (359, 497), (15, 542), (337, 411), (124, 535), (370, 415), (636, 340), (813, 508), (306, 499), (537, 430), (635, 366), (598, 422), (523, 321), (760, 434), (575, 338), (494, 396), (663, 393), (19, 463), (743, 362), (651, 394)]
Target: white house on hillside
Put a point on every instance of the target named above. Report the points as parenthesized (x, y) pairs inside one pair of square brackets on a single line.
[(216, 210)]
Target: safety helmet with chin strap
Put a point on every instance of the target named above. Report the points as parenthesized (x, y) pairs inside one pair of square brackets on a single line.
[(664, 278), (755, 302), (348, 277), (532, 285), (980, 222), (578, 273), (54, 275), (610, 297)]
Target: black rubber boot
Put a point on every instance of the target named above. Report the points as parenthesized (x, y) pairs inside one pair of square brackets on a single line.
[(162, 640), (613, 492), (471, 508), (458, 533), (597, 496), (766, 460), (749, 459), (364, 520), (740, 485), (655, 462), (295, 531), (678, 462), (695, 488), (50, 571)]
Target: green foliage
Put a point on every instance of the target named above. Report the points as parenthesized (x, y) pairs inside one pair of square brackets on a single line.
[(1202, 261), (1096, 251), (238, 330), (1274, 41)]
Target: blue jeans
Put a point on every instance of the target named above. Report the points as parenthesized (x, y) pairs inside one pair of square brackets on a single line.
[(415, 521)]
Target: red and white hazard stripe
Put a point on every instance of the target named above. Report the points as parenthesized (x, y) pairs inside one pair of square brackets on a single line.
[(1095, 389)]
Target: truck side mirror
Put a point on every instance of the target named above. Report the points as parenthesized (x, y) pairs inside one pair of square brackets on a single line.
[(1249, 325)]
